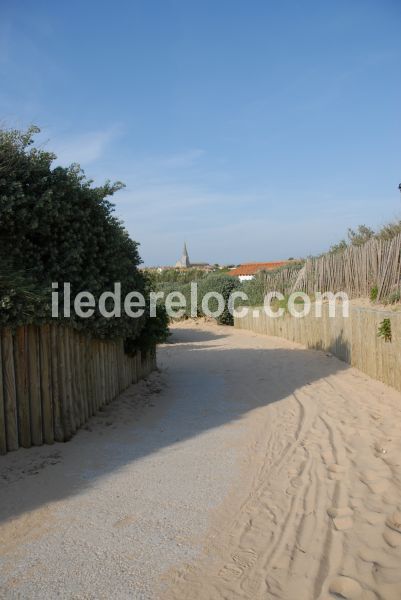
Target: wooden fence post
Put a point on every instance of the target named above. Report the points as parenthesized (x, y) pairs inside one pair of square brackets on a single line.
[(10, 392), (68, 409), (53, 379), (46, 384), (57, 383), (35, 404), (3, 439), (21, 381)]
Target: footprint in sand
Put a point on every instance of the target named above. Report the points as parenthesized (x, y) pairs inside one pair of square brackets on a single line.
[(341, 517), (392, 533), (379, 558), (229, 571), (327, 456), (390, 498), (394, 521), (345, 587), (356, 503), (342, 523), (392, 538), (336, 471)]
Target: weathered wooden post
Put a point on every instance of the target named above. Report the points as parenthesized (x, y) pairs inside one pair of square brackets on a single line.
[(10, 392), (35, 404), (21, 381), (46, 384)]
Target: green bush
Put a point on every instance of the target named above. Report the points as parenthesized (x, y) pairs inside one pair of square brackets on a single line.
[(384, 330), (373, 293), (255, 290), (20, 297), (224, 285), (155, 332), (55, 226)]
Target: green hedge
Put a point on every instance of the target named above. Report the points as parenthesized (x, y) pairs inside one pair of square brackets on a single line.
[(222, 284), (55, 226)]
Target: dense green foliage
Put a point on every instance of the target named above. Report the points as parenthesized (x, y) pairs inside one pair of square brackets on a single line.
[(55, 226), (255, 291), (279, 279), (20, 296), (213, 282), (155, 332), (224, 285)]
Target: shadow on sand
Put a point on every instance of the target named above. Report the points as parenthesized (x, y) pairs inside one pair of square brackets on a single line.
[(207, 379)]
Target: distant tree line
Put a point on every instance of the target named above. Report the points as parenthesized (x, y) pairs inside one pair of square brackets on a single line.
[(362, 234)]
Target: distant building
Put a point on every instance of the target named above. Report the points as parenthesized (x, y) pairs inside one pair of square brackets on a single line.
[(184, 262), (202, 266), (248, 271)]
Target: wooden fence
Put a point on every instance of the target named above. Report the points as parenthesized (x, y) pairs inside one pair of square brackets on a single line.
[(53, 379), (280, 280), (353, 339), (356, 271)]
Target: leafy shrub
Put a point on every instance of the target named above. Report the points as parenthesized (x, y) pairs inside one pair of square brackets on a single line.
[(255, 290), (224, 285), (373, 293), (55, 226), (155, 332), (20, 297), (384, 330), (363, 234)]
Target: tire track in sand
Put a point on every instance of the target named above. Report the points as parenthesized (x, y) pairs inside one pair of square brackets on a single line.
[(322, 518)]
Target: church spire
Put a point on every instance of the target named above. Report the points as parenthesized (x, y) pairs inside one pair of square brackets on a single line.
[(184, 261)]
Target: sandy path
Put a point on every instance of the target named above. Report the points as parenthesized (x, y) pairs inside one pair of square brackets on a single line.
[(249, 468)]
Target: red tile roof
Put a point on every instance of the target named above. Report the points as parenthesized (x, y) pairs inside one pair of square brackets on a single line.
[(252, 268)]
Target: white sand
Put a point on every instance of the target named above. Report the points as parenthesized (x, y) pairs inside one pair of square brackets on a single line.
[(249, 468)]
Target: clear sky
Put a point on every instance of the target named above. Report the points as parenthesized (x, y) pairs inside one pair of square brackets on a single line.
[(253, 130)]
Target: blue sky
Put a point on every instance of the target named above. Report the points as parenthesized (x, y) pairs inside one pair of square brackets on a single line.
[(253, 130)]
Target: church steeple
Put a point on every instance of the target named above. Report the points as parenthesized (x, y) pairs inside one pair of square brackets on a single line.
[(184, 261)]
